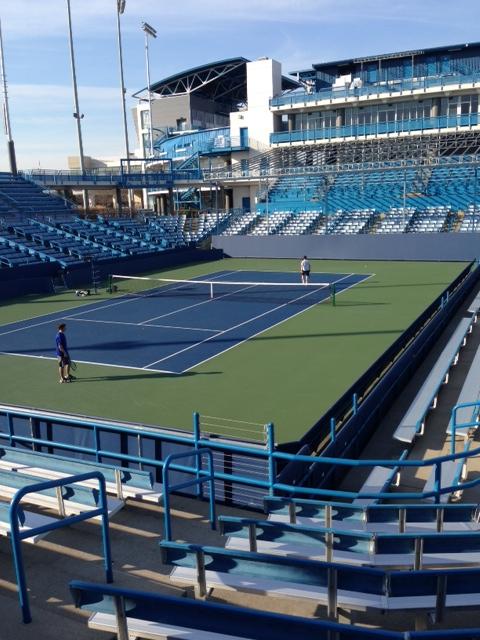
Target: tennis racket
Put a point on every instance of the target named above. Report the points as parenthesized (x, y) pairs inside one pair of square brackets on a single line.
[(73, 365)]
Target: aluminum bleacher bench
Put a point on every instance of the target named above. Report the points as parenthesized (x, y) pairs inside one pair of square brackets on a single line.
[(70, 500), (413, 422), (413, 550), (157, 616), (468, 416), (453, 473), (335, 585), (389, 518), (378, 481), (27, 521), (120, 481)]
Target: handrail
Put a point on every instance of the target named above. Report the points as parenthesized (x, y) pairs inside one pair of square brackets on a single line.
[(390, 87), (455, 425), (270, 485), (198, 482), (17, 535)]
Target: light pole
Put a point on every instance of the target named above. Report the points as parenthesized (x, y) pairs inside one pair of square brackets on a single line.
[(8, 131), (77, 115), (149, 31), (120, 10)]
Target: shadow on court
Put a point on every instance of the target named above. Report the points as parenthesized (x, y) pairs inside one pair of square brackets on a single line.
[(153, 375)]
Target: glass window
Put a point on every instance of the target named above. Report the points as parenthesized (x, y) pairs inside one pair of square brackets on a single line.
[(145, 118)]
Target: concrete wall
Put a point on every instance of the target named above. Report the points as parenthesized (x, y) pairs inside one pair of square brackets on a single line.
[(414, 246)]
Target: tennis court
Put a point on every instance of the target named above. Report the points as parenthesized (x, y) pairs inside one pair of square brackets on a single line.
[(173, 326)]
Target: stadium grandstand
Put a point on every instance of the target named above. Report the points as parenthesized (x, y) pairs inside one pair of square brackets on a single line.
[(294, 457)]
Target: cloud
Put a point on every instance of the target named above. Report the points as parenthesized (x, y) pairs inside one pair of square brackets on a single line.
[(91, 18)]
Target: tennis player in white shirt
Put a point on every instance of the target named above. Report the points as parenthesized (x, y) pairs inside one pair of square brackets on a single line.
[(305, 270)]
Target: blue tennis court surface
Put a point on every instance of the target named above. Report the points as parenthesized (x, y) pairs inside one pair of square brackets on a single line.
[(174, 327)]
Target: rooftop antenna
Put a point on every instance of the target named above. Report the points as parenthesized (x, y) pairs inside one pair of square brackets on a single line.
[(6, 114)]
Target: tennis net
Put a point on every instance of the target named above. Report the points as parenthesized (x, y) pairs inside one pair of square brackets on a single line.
[(147, 287)]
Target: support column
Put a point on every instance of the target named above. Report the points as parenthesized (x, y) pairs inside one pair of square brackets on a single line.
[(291, 122), (228, 199), (118, 197), (435, 109), (170, 207)]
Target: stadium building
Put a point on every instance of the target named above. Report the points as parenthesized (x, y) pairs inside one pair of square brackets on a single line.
[(375, 145)]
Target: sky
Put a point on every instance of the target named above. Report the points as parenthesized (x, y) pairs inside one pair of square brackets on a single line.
[(297, 33)]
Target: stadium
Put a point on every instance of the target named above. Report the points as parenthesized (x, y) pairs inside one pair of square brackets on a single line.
[(242, 452)]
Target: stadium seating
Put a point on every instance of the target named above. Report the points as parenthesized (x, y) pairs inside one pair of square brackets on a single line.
[(389, 518), (21, 196), (121, 482), (413, 421), (158, 616), (331, 584)]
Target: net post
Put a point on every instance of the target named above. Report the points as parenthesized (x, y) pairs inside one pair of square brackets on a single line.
[(211, 290), (109, 283), (333, 293)]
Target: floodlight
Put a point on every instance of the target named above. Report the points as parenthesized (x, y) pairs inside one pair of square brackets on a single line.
[(121, 6), (149, 30)]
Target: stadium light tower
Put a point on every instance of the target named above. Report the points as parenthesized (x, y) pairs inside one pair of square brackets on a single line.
[(6, 115), (77, 115), (149, 31), (120, 10)]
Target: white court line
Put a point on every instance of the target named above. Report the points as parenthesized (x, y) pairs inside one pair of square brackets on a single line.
[(136, 324), (192, 306), (99, 364), (197, 364), (261, 315), (64, 317)]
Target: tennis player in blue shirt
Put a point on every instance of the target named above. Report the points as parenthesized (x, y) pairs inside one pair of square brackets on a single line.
[(62, 354)]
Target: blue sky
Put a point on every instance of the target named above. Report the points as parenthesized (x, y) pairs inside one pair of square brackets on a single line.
[(297, 33)]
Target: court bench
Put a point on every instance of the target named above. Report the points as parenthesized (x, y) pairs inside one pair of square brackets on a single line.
[(330, 584), (27, 521), (413, 421), (356, 548), (67, 500), (130, 614), (389, 518), (121, 481)]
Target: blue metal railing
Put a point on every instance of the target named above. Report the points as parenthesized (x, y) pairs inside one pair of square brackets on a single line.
[(376, 128), (268, 453), (18, 536), (393, 88), (197, 482), (471, 424)]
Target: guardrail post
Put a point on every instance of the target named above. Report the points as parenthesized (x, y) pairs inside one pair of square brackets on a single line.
[(196, 438), (60, 502), (440, 515), (440, 598), (418, 551), (292, 512), (328, 546), (438, 481), (332, 593), (121, 618), (354, 404), (333, 434), (252, 536), (118, 483), (201, 577), (272, 467), (402, 520), (328, 516)]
